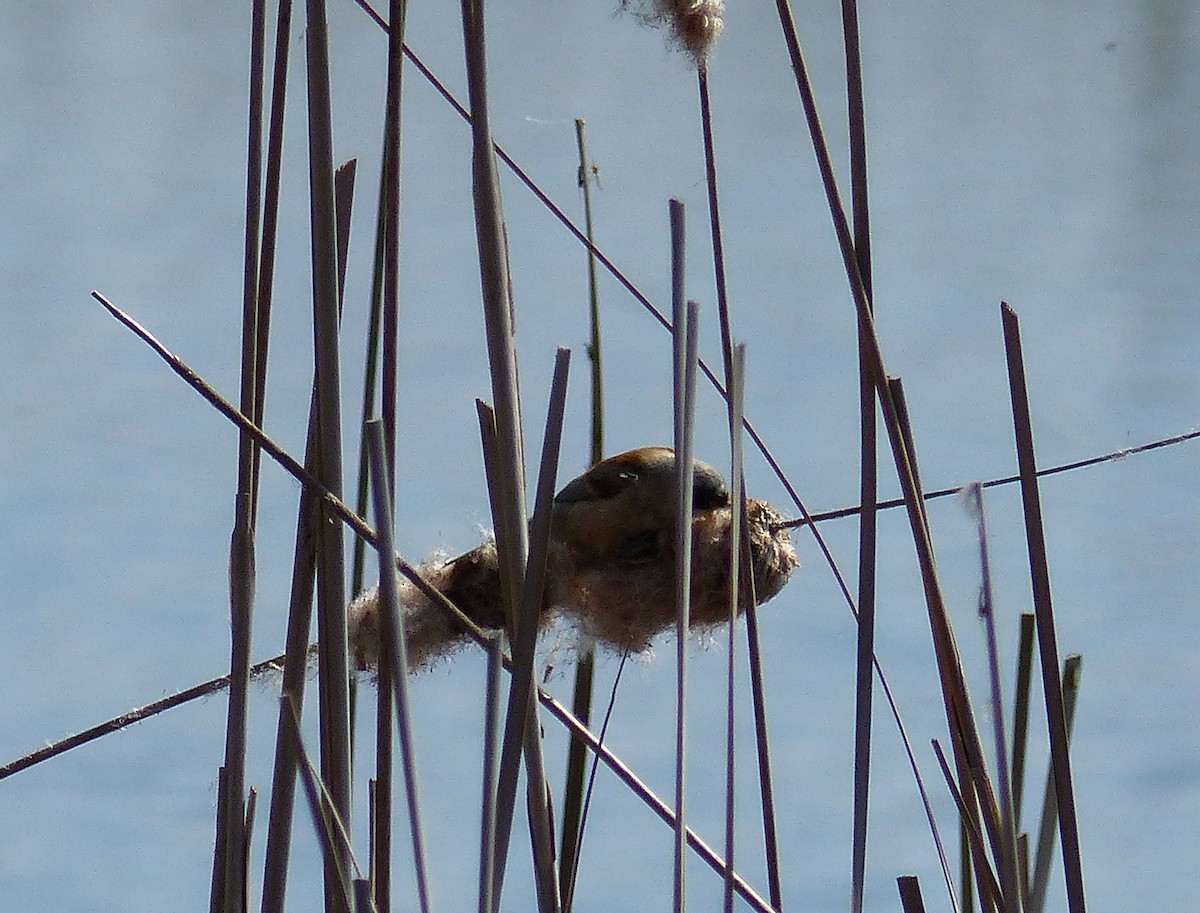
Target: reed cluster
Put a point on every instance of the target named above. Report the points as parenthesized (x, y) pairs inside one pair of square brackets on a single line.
[(502, 594)]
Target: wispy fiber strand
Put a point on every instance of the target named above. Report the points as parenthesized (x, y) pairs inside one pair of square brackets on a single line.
[(1006, 852)]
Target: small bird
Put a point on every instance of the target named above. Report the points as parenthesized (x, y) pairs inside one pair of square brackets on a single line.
[(610, 565)]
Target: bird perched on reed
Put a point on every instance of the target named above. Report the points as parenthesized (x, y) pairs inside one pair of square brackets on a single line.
[(610, 566)]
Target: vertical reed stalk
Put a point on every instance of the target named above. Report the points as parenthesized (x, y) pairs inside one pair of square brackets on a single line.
[(491, 759), (394, 638), (233, 876), (295, 669), (381, 832), (868, 460), (910, 894), (585, 665), (333, 664), (270, 212), (1072, 669), (684, 314), (1047, 637), (508, 478), (766, 788), (1021, 711), (736, 386)]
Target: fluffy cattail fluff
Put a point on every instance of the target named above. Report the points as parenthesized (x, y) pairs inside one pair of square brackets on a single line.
[(621, 603), (695, 25)]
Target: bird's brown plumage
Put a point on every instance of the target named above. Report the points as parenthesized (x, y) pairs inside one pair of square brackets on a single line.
[(611, 563)]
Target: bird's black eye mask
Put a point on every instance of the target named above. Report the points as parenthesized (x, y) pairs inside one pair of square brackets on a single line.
[(708, 490)]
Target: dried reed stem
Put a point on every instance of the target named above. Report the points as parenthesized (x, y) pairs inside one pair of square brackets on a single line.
[(685, 316), (1044, 612), (1072, 670), (396, 648), (491, 762), (766, 788), (1021, 711), (283, 788), (232, 875), (989, 887), (330, 827), (868, 460), (333, 664), (381, 832), (910, 894), (585, 665), (737, 386), (283, 792)]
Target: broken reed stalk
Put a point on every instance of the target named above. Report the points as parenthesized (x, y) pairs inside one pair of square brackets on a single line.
[(585, 665), (1047, 638), (270, 215), (1005, 852), (283, 783), (541, 825), (521, 726), (910, 894), (1021, 711), (329, 826), (231, 877), (684, 316), (766, 788), (394, 639), (868, 460), (333, 661), (1072, 670), (737, 386), (491, 762), (989, 887)]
